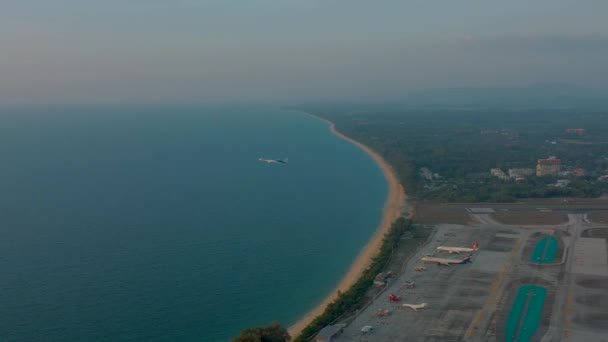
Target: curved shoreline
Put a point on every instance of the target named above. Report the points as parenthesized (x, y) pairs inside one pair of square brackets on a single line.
[(392, 211)]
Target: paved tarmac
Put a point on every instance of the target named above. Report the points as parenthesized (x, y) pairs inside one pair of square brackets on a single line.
[(473, 302)]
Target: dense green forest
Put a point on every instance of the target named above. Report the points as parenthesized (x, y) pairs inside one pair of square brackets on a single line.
[(460, 146)]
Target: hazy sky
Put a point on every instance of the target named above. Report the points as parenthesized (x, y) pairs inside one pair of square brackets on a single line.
[(152, 51)]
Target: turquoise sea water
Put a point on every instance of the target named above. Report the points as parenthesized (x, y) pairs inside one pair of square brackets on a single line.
[(160, 224)]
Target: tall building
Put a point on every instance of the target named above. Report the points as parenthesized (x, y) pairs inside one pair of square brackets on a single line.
[(548, 167)]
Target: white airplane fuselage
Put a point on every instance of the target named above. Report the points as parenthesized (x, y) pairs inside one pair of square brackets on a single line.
[(459, 249), (444, 261), (273, 161), (455, 249)]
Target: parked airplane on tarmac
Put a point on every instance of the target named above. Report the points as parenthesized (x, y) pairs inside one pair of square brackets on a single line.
[(459, 249), (274, 161), (447, 262), (415, 307)]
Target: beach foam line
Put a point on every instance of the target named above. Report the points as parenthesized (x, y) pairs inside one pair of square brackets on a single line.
[(392, 211)]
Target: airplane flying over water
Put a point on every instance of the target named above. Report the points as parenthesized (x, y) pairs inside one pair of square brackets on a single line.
[(459, 249), (447, 262), (274, 161)]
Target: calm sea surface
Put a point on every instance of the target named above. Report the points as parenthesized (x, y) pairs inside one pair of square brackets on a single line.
[(160, 224)]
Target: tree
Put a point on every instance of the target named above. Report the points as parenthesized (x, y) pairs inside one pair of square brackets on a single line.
[(271, 333)]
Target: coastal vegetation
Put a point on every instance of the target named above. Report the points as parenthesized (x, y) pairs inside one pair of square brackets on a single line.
[(353, 299), (459, 147), (271, 333)]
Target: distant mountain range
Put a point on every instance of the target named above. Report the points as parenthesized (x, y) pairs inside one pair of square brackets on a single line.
[(550, 95)]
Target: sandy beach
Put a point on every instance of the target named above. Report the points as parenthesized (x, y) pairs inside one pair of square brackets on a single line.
[(392, 210)]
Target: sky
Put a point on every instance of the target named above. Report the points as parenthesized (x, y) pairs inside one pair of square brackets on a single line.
[(198, 51)]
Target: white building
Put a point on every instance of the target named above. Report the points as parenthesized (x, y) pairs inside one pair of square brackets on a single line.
[(498, 173)]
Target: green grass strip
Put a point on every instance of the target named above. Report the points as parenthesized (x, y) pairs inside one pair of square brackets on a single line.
[(526, 313), (546, 250)]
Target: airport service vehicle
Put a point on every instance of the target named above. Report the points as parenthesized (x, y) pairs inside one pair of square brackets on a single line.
[(394, 298)]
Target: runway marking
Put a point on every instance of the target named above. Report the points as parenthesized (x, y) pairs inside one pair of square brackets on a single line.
[(545, 250), (493, 298), (567, 313)]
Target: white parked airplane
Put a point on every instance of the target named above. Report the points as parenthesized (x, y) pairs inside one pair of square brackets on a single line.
[(459, 249), (447, 262), (274, 161), (415, 307)]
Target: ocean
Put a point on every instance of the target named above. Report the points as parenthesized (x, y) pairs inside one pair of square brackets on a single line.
[(160, 224)]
